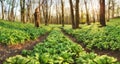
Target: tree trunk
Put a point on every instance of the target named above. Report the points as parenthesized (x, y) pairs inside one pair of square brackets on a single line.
[(12, 11), (77, 13), (22, 5), (102, 13), (72, 14), (29, 11), (37, 16), (87, 13), (109, 10), (62, 3), (2, 6), (113, 8), (93, 11)]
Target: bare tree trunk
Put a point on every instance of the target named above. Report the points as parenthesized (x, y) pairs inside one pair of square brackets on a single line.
[(109, 10), (118, 10), (37, 16), (2, 6), (113, 8), (46, 14), (29, 5), (102, 13), (87, 13), (72, 14), (93, 11), (9, 13), (62, 3), (22, 5), (12, 11), (77, 13), (81, 15)]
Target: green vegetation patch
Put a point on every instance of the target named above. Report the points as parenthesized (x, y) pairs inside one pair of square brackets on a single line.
[(58, 49), (102, 38), (15, 32)]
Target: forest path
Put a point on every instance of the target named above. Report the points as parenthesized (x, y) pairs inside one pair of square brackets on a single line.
[(115, 54), (9, 51)]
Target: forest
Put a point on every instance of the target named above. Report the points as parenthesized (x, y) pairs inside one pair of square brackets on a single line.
[(59, 31)]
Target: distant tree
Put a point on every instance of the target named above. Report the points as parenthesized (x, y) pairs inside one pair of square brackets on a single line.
[(87, 13), (62, 4), (113, 8), (37, 14), (109, 7), (29, 6), (2, 6), (102, 13), (118, 10), (12, 18), (46, 10), (93, 11), (22, 6)]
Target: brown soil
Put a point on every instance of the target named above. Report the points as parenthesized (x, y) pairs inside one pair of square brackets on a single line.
[(115, 54), (12, 50)]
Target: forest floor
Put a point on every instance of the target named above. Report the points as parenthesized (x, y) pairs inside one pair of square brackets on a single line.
[(115, 54), (12, 50)]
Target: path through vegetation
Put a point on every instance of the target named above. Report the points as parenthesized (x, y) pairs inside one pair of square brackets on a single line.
[(115, 54), (9, 51)]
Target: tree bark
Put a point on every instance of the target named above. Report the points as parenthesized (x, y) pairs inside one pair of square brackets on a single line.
[(108, 10), (72, 14), (93, 11), (22, 5), (102, 13), (2, 6), (113, 8), (12, 11), (37, 16), (62, 3), (29, 5), (87, 13), (77, 13)]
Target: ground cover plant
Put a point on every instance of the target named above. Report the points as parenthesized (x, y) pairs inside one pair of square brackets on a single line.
[(16, 32), (105, 38), (58, 49)]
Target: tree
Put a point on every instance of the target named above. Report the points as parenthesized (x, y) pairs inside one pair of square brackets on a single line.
[(37, 16), (113, 8), (12, 11), (29, 6), (77, 13), (37, 13), (93, 11), (2, 6), (22, 6), (87, 13), (62, 4), (46, 10), (102, 13), (72, 14), (109, 10)]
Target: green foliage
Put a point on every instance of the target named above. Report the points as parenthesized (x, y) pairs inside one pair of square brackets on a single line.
[(58, 49), (102, 38), (21, 60), (15, 32)]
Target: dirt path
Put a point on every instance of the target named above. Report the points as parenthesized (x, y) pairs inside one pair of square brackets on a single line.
[(115, 54), (9, 51)]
